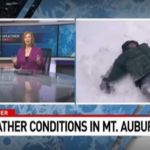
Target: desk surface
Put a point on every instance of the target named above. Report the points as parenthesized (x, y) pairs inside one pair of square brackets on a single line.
[(37, 87)]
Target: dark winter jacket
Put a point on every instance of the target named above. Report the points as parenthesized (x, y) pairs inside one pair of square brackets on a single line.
[(135, 61)]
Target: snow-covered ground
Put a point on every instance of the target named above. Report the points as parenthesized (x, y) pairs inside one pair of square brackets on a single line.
[(98, 44)]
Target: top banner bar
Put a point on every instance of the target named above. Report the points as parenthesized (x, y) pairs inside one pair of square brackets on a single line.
[(74, 9)]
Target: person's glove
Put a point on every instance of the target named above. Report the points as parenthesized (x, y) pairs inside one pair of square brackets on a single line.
[(106, 86)]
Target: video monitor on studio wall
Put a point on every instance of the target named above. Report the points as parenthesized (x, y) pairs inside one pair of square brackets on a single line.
[(0, 41), (67, 40), (45, 37)]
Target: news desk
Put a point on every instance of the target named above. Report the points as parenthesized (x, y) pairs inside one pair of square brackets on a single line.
[(35, 88)]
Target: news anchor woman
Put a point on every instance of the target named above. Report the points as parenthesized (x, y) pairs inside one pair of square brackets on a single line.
[(28, 57)]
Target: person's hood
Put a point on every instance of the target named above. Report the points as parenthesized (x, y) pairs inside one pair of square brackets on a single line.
[(125, 46)]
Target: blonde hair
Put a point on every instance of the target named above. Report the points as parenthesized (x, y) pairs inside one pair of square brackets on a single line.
[(32, 38)]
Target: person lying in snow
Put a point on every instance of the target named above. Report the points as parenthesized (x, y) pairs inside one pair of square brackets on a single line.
[(135, 60)]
